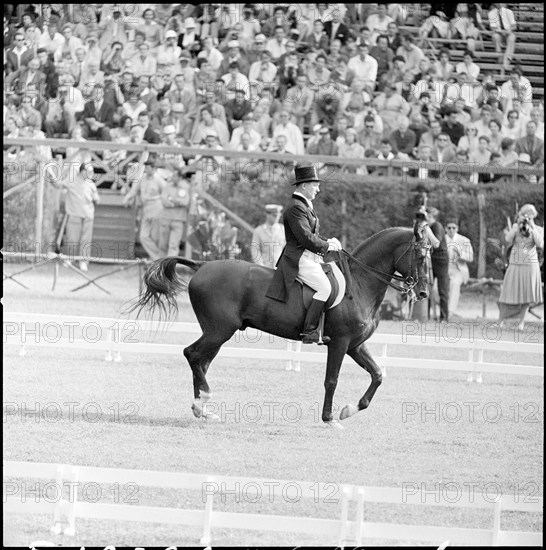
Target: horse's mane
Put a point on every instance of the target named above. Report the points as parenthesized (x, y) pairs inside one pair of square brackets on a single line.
[(374, 237)]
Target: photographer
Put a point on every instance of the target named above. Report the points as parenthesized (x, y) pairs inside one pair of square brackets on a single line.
[(522, 286)]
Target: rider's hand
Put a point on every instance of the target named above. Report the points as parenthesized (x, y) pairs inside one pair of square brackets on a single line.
[(334, 245)]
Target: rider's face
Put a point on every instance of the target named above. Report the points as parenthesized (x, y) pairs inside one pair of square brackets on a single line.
[(310, 190)]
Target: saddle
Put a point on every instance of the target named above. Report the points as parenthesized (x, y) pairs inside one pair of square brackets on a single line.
[(337, 282)]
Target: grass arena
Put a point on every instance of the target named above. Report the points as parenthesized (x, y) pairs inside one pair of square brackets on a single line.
[(427, 431)]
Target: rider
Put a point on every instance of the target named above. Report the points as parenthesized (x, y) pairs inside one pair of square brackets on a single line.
[(302, 255)]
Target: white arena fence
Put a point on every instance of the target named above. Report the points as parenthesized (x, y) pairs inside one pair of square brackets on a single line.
[(349, 528), (36, 329)]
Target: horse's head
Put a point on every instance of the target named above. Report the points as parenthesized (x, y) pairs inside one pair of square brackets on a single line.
[(414, 262)]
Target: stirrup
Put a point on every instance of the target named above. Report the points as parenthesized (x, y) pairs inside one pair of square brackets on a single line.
[(314, 337)]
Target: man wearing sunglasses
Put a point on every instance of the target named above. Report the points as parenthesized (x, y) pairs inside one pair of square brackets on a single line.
[(459, 250), (18, 55)]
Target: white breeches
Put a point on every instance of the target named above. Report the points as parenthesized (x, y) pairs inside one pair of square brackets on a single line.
[(311, 273)]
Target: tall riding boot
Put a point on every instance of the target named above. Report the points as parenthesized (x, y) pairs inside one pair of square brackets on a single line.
[(310, 334)]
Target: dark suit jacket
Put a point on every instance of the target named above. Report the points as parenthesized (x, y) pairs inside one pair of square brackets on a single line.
[(342, 32), (536, 152), (301, 228), (105, 114), (151, 136), (19, 79)]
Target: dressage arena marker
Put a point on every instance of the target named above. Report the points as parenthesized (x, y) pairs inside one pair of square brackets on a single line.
[(113, 345), (346, 530)]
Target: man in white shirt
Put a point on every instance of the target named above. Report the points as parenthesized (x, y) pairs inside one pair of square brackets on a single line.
[(503, 23), (235, 80), (211, 54), (262, 71), (364, 66), (517, 87), (277, 44), (459, 250), (71, 43), (268, 239), (378, 22), (293, 134), (411, 53), (143, 63), (246, 128), (52, 41)]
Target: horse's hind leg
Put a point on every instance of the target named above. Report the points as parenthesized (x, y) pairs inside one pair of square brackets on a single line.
[(199, 355), (363, 358)]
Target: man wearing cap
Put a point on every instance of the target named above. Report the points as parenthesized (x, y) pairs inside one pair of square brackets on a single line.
[(182, 123), (303, 252), (255, 51), (268, 239), (325, 145)]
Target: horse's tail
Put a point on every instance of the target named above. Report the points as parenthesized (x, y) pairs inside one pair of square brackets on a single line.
[(162, 285)]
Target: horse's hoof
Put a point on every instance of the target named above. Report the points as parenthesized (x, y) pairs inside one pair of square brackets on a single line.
[(347, 411), (197, 411), (211, 417), (335, 424)]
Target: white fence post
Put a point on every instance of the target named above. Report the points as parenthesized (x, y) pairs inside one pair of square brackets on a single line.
[(497, 522), (207, 524), (72, 476), (58, 511)]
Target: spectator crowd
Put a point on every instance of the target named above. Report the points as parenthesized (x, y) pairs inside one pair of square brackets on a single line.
[(322, 79)]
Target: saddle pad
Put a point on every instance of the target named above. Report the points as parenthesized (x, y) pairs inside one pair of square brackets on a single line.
[(337, 282)]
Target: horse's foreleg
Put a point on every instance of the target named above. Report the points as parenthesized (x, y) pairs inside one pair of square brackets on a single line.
[(333, 365), (363, 358)]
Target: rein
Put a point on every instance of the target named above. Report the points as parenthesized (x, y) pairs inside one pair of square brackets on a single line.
[(386, 277)]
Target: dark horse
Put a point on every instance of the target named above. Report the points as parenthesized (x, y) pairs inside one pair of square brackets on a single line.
[(229, 295)]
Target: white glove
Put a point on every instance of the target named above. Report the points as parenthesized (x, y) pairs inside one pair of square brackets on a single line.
[(334, 244)]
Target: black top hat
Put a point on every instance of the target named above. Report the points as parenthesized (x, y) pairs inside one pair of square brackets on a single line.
[(306, 174)]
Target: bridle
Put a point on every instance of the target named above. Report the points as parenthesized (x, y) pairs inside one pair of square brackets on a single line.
[(409, 282)]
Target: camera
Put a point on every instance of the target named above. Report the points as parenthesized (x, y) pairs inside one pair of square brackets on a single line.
[(420, 216), (524, 228)]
